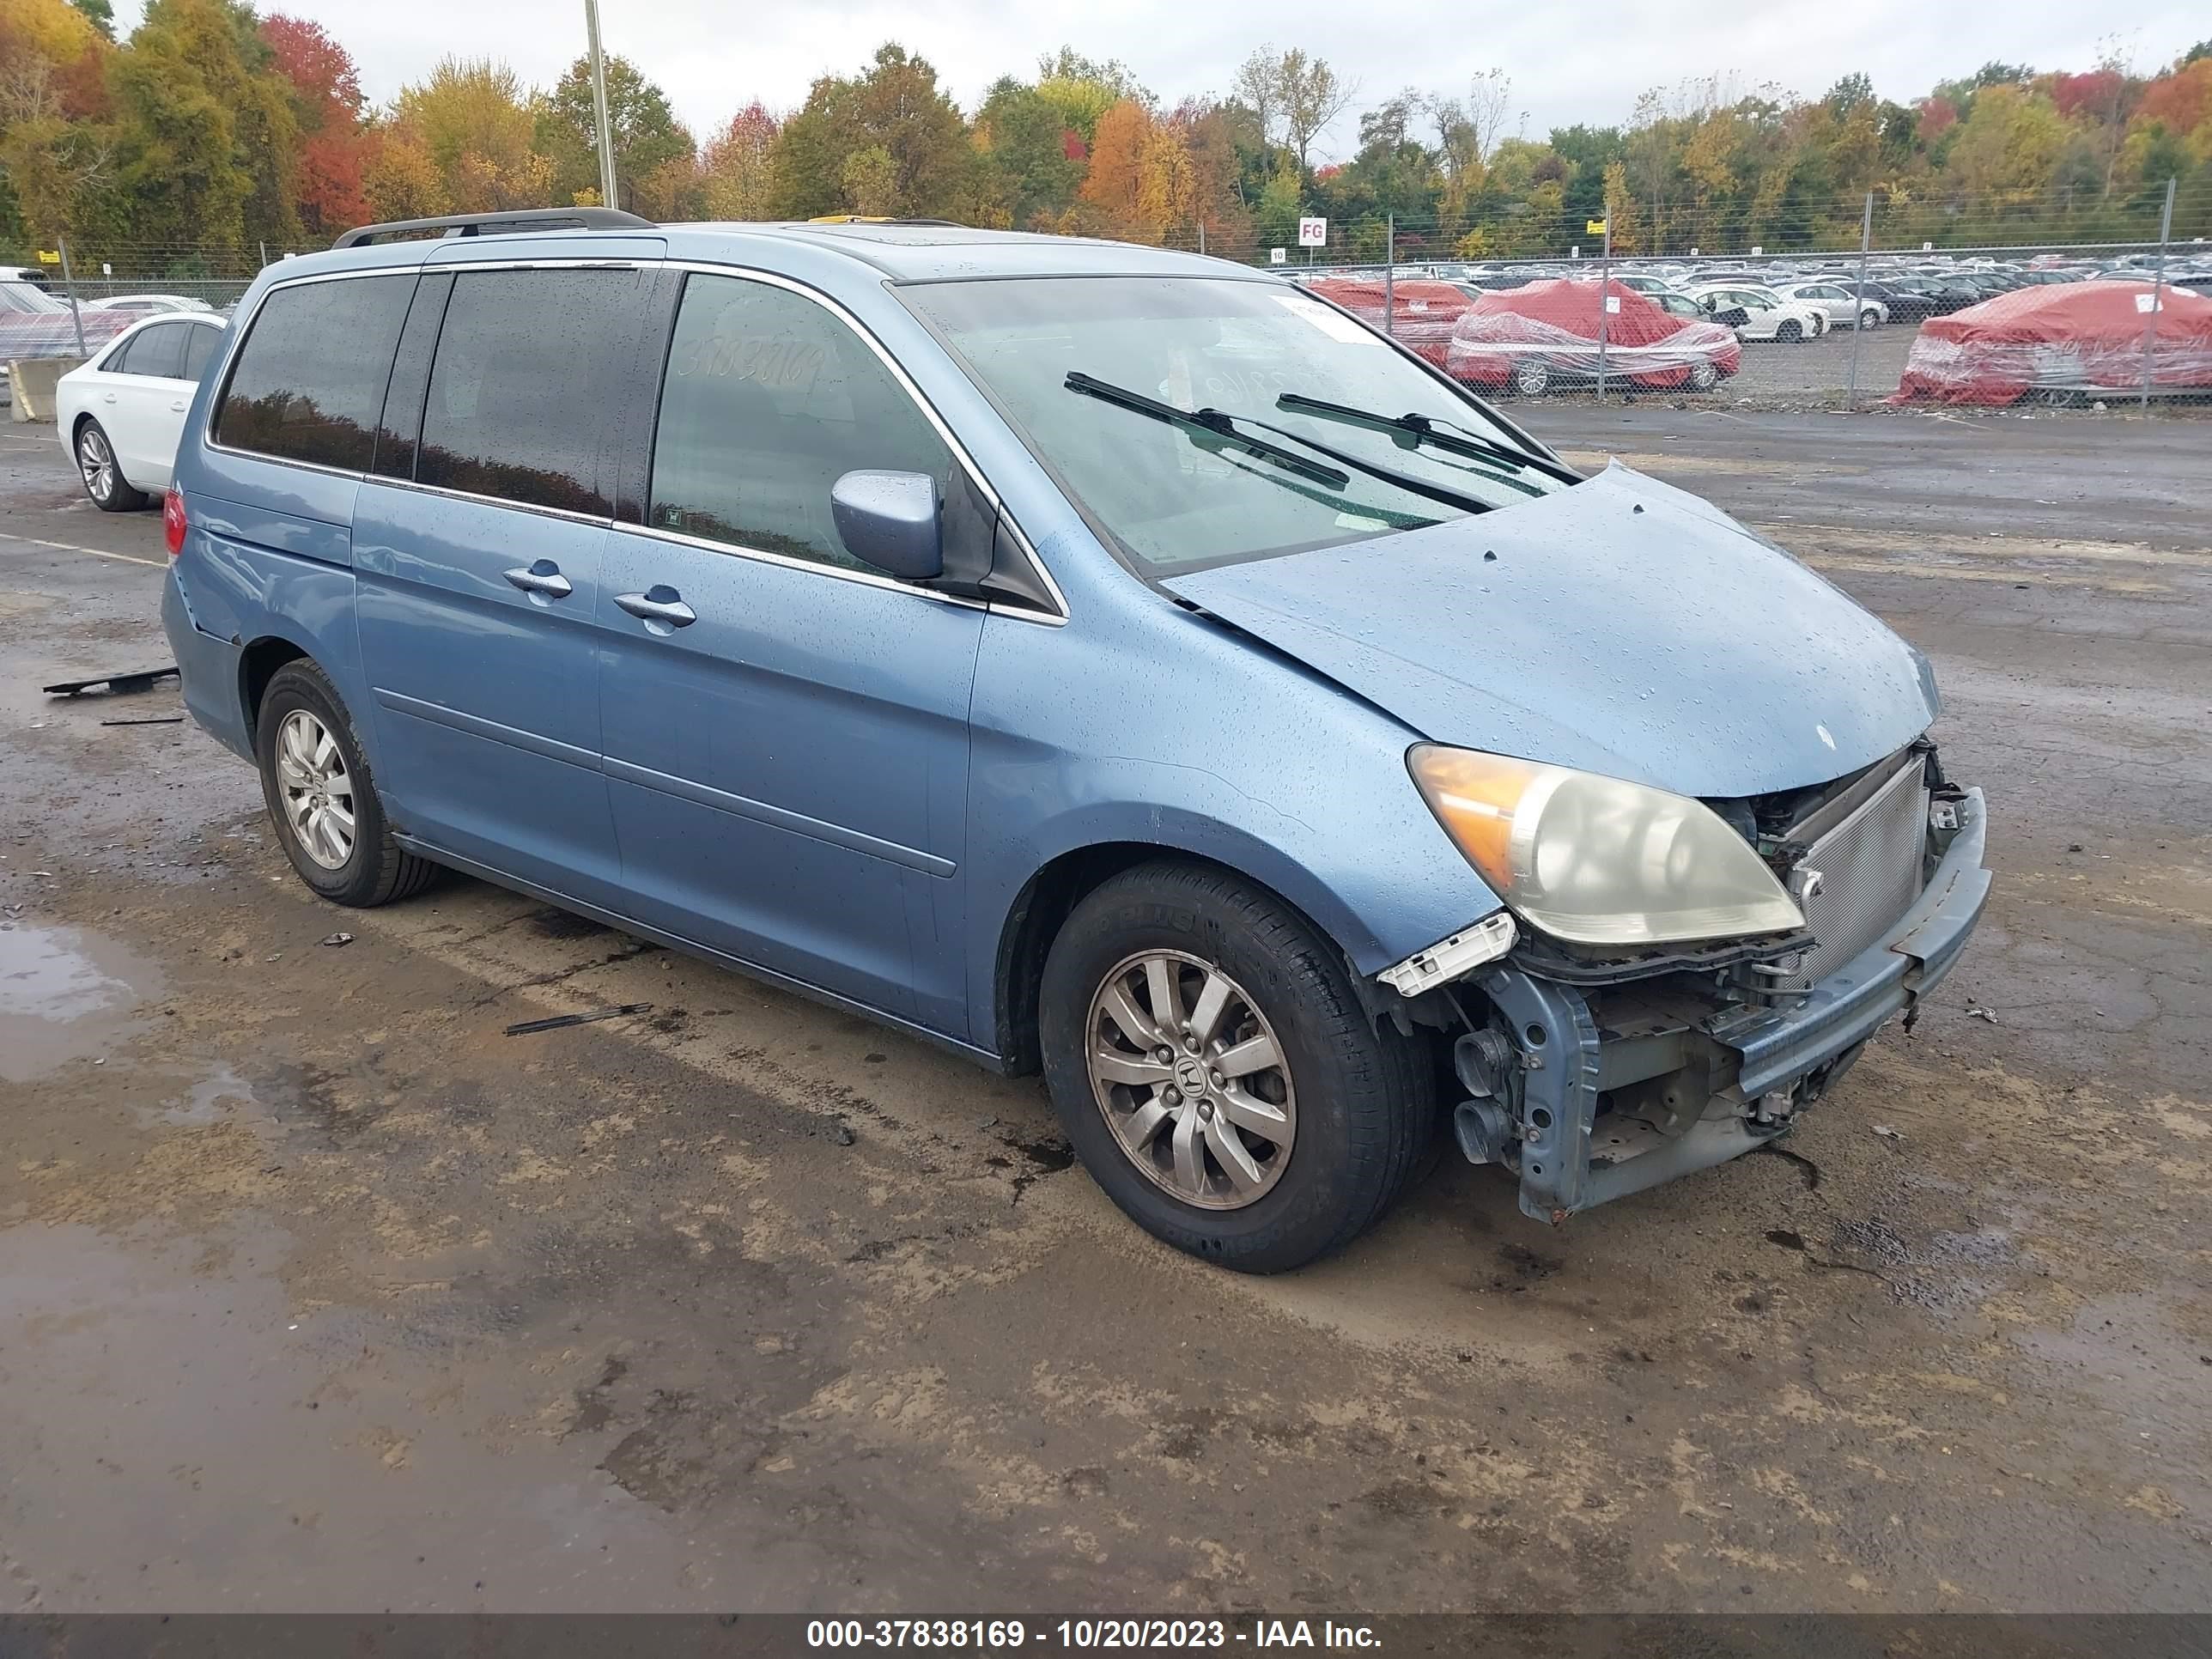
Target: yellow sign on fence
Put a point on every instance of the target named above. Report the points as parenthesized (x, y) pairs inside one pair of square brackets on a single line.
[(48, 256), (1595, 227)]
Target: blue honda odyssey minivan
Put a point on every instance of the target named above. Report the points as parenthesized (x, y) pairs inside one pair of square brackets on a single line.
[(1097, 661)]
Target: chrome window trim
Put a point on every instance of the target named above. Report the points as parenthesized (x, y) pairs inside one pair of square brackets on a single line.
[(759, 556), (1055, 618)]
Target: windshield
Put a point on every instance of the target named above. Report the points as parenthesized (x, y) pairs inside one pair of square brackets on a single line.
[(1174, 495)]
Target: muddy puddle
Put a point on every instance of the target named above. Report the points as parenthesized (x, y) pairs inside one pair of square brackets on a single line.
[(65, 996)]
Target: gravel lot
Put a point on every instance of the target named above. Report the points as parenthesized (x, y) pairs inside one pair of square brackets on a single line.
[(317, 1291)]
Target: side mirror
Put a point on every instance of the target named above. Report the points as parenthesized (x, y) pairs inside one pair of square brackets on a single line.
[(890, 520)]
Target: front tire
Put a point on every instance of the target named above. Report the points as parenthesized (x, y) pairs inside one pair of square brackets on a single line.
[(1704, 375), (1787, 332), (1869, 319), (323, 798), (102, 473), (1531, 378), (1281, 1124)]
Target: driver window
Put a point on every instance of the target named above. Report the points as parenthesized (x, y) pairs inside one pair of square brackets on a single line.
[(768, 400)]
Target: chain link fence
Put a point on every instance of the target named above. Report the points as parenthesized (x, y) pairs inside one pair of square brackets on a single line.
[(1960, 305)]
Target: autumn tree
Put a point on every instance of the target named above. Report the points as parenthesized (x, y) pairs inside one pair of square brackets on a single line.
[(56, 153), (328, 178), (477, 124), (734, 171), (2008, 147)]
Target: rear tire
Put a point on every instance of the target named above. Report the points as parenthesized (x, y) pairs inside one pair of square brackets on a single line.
[(1704, 375), (323, 798), (1789, 332), (1263, 1169), (102, 474), (1869, 319), (1530, 378)]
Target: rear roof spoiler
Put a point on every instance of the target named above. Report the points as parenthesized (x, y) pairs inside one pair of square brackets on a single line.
[(490, 224)]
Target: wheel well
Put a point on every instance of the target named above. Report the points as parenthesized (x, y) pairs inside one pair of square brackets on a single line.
[(256, 666), (1044, 904)]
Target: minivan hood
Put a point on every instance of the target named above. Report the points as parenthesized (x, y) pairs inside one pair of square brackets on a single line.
[(1621, 626)]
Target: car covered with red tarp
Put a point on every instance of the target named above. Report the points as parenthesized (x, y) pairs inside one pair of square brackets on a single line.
[(1421, 312), (1530, 339), (2061, 340), (33, 323)]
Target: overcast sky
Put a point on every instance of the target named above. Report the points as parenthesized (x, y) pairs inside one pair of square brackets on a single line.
[(1576, 62)]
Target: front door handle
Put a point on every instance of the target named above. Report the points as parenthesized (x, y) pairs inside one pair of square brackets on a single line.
[(543, 577), (659, 603)]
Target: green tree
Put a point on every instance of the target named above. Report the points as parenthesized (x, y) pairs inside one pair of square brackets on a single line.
[(1022, 138), (647, 134), (896, 107), (99, 13), (205, 131)]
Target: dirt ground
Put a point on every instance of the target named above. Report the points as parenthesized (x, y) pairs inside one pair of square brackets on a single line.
[(318, 1292)]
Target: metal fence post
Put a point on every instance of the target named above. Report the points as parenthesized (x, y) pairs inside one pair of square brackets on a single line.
[(1202, 239), (2157, 294), (69, 281), (1389, 273), (1604, 279), (1858, 304)]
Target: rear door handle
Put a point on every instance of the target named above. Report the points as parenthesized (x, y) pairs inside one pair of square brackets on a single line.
[(543, 577), (659, 603)]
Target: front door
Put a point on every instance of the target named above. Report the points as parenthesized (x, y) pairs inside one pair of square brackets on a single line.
[(478, 555), (786, 729)]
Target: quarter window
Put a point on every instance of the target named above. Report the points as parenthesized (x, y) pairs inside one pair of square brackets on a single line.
[(769, 398), (309, 379), (530, 366), (200, 342)]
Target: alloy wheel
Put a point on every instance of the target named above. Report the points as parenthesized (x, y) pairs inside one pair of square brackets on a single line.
[(317, 789), (1191, 1079), (96, 461)]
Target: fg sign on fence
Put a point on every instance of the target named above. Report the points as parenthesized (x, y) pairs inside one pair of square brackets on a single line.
[(1313, 233)]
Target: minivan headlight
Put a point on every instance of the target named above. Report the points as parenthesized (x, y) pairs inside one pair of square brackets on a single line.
[(1599, 860)]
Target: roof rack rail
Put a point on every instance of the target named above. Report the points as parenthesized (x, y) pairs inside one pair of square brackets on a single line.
[(878, 218), (486, 224)]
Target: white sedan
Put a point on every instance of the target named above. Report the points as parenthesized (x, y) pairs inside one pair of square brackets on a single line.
[(147, 302), (1835, 300), (122, 413), (1760, 313)]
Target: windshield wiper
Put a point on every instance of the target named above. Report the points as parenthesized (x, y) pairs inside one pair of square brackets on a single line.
[(1221, 427), (1423, 430)]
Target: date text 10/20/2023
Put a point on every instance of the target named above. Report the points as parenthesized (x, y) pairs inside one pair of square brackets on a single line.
[(1087, 1634)]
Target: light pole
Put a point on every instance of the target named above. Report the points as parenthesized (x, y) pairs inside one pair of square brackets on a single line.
[(600, 106)]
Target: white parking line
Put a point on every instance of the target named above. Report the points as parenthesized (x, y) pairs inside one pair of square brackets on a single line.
[(90, 552)]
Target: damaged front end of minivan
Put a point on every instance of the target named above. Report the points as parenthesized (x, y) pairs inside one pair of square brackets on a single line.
[(1595, 1069)]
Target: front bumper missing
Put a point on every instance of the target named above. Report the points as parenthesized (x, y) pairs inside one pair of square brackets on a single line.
[(1774, 1051)]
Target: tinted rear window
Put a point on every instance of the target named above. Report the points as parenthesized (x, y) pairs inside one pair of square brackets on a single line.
[(309, 379), (529, 364), (159, 350)]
